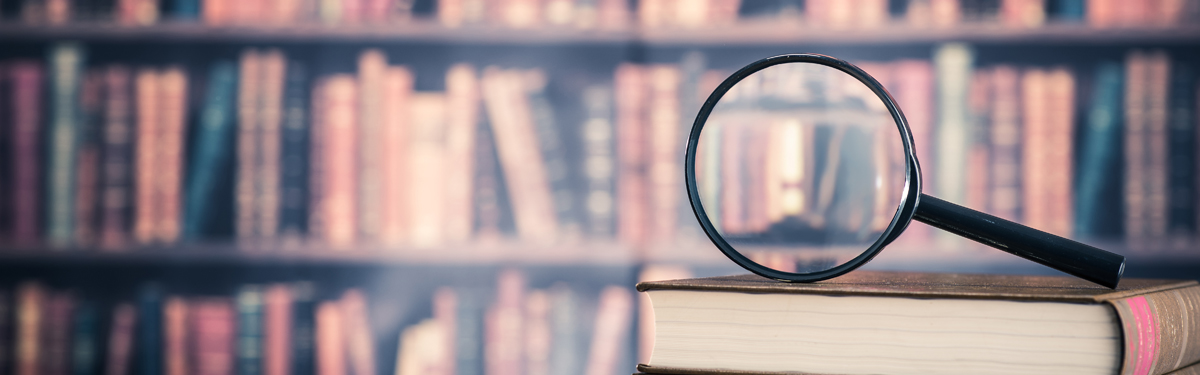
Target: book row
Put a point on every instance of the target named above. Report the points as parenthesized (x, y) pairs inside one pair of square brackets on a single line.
[(267, 149), (612, 14), (294, 328)]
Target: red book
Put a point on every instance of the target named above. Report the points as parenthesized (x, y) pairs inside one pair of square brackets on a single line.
[(394, 222), (665, 146), (462, 118), (212, 325), (338, 134), (979, 101), (26, 122), (633, 203), (248, 144), (30, 319), (1059, 136), (504, 325), (270, 120), (169, 161), (912, 88), (360, 345), (175, 336), (1005, 137), (120, 339), (277, 333), (330, 340), (57, 334), (147, 152), (372, 69), (1034, 149)]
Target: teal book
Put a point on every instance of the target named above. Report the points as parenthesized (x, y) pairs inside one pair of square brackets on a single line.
[(185, 9), (1098, 181), (1069, 10), (212, 151), (249, 346), (304, 323), (554, 153), (66, 64), (85, 343)]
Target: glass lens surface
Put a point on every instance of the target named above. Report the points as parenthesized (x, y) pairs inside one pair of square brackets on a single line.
[(800, 167)]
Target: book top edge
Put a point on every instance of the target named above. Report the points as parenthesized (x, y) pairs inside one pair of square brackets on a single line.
[(930, 285)]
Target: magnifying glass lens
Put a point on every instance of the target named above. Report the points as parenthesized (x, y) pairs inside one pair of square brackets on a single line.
[(800, 168)]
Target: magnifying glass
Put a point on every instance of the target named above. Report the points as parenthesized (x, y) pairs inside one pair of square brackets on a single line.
[(801, 168)]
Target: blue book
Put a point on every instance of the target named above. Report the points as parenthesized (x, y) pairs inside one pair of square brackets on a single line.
[(293, 205), (1181, 152), (148, 340), (1069, 10), (1097, 189), (66, 63), (185, 9), (304, 308), (212, 150), (85, 345)]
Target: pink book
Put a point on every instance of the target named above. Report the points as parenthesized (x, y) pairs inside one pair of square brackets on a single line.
[(277, 340), (26, 134)]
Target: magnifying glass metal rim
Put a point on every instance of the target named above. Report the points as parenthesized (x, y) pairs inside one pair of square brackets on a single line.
[(910, 194)]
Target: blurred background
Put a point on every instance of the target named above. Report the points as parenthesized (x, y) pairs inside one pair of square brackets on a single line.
[(474, 186)]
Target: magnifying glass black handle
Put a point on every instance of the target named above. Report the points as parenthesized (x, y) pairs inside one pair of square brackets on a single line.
[(1059, 253)]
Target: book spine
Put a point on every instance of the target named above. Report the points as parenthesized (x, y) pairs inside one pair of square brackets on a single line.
[(1135, 148), (248, 351), (567, 350), (278, 319), (1181, 158), (489, 190), (175, 336), (395, 217), (57, 331), (632, 183), (504, 324), (468, 332), (146, 153), (979, 101), (186, 9), (248, 143), (66, 61), (149, 332), (1005, 144), (1158, 329), (537, 333), (303, 329), (211, 151), (359, 344), (1156, 143), (120, 339), (7, 338), (27, 134), (427, 168), (914, 91), (372, 68), (339, 169), (213, 329), (87, 172), (116, 197), (953, 66), (609, 338), (599, 161), (462, 119), (294, 155), (664, 141), (445, 316), (270, 112), (169, 161), (1100, 150), (1061, 151), (85, 343), (330, 340), (553, 153), (30, 316), (518, 151), (1035, 149)]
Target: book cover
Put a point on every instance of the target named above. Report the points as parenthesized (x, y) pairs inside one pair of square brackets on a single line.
[(65, 62), (116, 177), (210, 157)]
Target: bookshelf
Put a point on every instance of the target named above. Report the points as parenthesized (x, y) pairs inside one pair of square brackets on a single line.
[(559, 66)]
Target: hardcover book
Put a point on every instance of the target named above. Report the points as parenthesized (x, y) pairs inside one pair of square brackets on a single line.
[(894, 322)]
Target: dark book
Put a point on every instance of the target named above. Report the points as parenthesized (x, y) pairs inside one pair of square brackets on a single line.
[(6, 332), (85, 339), (1100, 155), (599, 161), (57, 333), (468, 331), (87, 173), (551, 143), (6, 157), (116, 166), (148, 339), (26, 103), (210, 159), (896, 322), (293, 215), (303, 344), (1181, 153), (66, 62)]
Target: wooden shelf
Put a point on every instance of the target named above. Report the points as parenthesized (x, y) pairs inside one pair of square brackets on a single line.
[(744, 34)]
